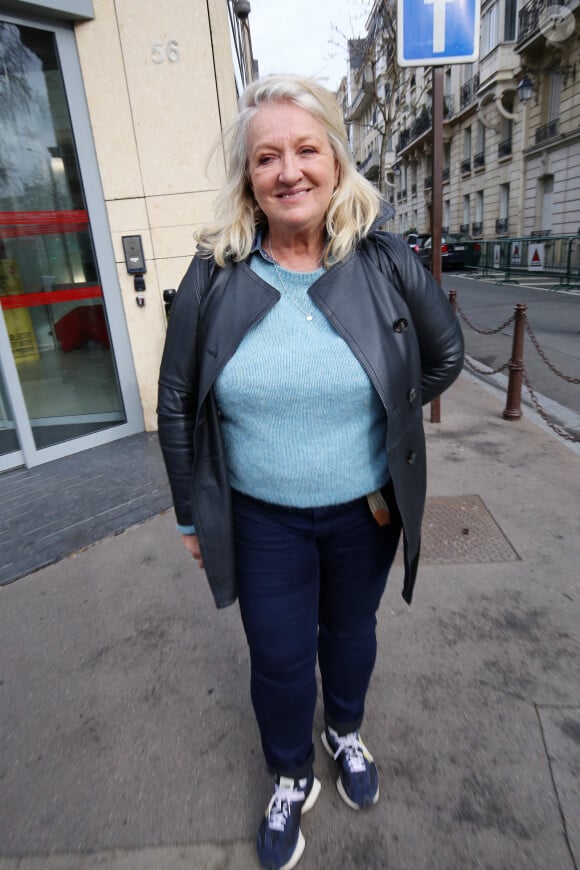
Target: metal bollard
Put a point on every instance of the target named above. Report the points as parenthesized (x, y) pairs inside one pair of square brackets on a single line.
[(512, 410)]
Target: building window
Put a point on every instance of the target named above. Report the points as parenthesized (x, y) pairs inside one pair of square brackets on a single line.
[(504, 149), (446, 155), (477, 226), (545, 203), (466, 211), (466, 162), (489, 30), (446, 214), (510, 19), (554, 92), (467, 142), (501, 225), (504, 200), (447, 94), (479, 156)]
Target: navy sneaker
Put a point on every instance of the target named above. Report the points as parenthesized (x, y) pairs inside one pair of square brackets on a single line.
[(280, 841), (358, 781)]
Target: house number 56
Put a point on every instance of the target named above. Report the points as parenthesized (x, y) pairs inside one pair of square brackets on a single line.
[(169, 51)]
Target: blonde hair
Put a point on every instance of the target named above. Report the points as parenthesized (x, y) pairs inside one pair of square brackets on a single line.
[(354, 205)]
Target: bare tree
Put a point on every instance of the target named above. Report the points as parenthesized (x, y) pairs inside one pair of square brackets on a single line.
[(381, 86)]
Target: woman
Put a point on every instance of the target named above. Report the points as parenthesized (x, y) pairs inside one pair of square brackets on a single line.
[(300, 347)]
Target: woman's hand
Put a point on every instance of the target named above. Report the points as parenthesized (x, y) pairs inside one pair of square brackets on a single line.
[(191, 544)]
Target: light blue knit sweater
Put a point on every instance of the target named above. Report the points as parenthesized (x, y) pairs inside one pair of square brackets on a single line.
[(302, 424)]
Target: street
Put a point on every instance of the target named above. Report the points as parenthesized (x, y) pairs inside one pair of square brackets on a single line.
[(553, 317)]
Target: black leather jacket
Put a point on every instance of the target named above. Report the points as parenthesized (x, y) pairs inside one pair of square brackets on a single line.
[(394, 317)]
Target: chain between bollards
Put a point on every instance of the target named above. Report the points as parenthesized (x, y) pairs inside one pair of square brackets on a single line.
[(512, 410)]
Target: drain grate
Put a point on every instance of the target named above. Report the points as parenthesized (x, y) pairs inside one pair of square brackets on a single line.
[(460, 529)]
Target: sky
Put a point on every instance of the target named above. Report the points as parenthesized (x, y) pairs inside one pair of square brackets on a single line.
[(297, 36)]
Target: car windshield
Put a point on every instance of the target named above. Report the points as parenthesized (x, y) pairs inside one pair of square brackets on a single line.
[(449, 239)]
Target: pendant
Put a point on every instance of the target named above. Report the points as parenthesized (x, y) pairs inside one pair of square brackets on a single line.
[(309, 317)]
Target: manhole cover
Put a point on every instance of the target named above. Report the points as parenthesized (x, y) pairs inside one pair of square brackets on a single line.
[(458, 529)]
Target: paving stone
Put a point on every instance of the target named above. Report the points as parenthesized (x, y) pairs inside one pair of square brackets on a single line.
[(53, 510)]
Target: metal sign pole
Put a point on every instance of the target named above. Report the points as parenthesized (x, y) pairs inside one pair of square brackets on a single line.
[(434, 33), (436, 194)]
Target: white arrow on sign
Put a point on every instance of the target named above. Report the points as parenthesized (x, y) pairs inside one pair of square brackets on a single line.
[(438, 23)]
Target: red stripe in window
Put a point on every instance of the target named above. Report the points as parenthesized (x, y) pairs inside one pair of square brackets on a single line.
[(34, 223), (51, 297)]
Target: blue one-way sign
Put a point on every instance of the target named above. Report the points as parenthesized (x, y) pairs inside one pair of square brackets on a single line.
[(431, 32)]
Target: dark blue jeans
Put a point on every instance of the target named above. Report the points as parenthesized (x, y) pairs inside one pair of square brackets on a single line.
[(310, 582)]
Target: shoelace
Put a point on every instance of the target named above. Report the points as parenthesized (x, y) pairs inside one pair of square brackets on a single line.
[(353, 751), (280, 804)]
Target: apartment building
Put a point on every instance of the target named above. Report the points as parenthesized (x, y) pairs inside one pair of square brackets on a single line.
[(108, 112), (511, 125)]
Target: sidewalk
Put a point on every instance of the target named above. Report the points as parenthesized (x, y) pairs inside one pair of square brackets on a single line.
[(128, 741)]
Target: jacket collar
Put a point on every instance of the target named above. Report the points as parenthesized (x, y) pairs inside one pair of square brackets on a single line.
[(385, 214)]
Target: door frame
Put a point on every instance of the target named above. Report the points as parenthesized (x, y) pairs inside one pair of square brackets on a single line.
[(29, 454)]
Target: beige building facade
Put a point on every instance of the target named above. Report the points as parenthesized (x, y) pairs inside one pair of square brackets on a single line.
[(109, 114), (511, 167)]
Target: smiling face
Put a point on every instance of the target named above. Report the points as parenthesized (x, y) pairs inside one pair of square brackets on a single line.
[(292, 168)]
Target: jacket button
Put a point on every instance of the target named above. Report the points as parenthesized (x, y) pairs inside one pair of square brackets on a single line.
[(411, 456), (400, 325), (411, 395)]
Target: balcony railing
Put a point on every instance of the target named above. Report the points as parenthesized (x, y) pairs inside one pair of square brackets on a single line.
[(479, 160), (504, 149), (428, 183), (466, 165), (422, 124), (417, 128), (404, 139), (548, 131), (463, 228), (370, 165), (501, 225), (477, 228), (468, 91), (530, 15), (362, 99), (445, 173), (448, 106)]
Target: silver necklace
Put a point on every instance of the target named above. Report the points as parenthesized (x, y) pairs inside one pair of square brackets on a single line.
[(307, 314)]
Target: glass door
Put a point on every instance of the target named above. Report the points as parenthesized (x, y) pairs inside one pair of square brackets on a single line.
[(8, 440), (51, 289)]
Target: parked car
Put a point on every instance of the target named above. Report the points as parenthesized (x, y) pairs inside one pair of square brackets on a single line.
[(416, 240), (457, 251)]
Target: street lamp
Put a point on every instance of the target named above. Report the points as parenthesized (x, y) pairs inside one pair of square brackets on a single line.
[(526, 86), (525, 89)]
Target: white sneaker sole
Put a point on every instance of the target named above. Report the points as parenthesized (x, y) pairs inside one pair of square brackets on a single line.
[(301, 843), (339, 786)]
